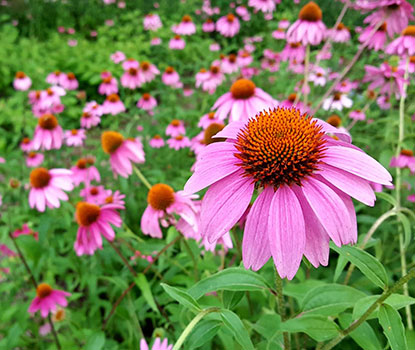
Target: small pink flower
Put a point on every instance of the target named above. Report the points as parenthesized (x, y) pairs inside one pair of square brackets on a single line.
[(404, 45), (229, 64), (340, 34), (131, 78), (208, 26), (147, 72), (185, 27), (93, 222), (284, 24), (152, 22), (158, 345), (47, 298), (68, 81), (377, 40), (155, 41), (207, 119), (179, 142), (279, 34), (54, 77), (47, 187), (293, 51), (357, 115), (34, 159), (405, 160), (85, 171), (122, 152), (156, 142), (95, 194), (22, 82), (118, 57), (177, 43), (170, 77), (108, 86), (214, 47), (25, 231), (263, 5), (26, 145), (228, 25), (75, 137), (113, 105), (115, 198), (243, 12), (147, 102), (6, 251), (175, 128), (163, 202), (72, 42), (48, 133), (337, 101)]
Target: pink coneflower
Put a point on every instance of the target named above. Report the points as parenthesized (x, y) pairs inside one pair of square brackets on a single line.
[(289, 103), (75, 137), (405, 160), (377, 40), (152, 22), (185, 27), (208, 26), (68, 81), (115, 198), (6, 251), (156, 142), (318, 76), (155, 41), (293, 51), (397, 13), (51, 96), (339, 34), (284, 23), (95, 194), (26, 231), (411, 66), (346, 85), (309, 28), (214, 47), (214, 79), (403, 45), (306, 178), (88, 120), (263, 5), (54, 77), (109, 84), (170, 77), (357, 115), (47, 187), (131, 78), (22, 82), (47, 298), (147, 72), (177, 43), (118, 57), (229, 64), (163, 203), (271, 61), (26, 145), (384, 102), (279, 34), (93, 222), (175, 128), (158, 345), (113, 105), (242, 101), (228, 25), (337, 101), (243, 12), (201, 77), (48, 133), (122, 152), (179, 142), (208, 119), (244, 58), (85, 171), (147, 102), (389, 79), (34, 159)]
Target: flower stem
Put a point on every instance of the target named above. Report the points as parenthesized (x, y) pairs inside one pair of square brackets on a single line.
[(387, 293), (304, 86), (281, 307), (125, 261), (192, 325), (142, 177)]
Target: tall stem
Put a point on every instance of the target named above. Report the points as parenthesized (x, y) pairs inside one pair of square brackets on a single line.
[(386, 294), (142, 177), (281, 307), (304, 86), (125, 261), (401, 137)]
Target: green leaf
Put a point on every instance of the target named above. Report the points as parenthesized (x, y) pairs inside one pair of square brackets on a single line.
[(319, 328), (142, 283), (341, 263), (230, 299), (366, 263), (234, 324), (406, 228), (330, 299), (364, 335), (203, 332), (386, 197), (299, 290), (236, 279), (182, 297), (410, 338), (392, 325), (268, 325), (95, 342)]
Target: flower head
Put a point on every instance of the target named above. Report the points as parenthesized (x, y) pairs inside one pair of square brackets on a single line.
[(47, 298)]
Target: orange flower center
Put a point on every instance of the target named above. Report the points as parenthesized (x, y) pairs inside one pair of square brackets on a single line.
[(81, 163), (407, 152), (232, 58), (175, 122), (157, 137), (43, 290), (409, 30), (334, 120), (132, 71), (341, 26), (295, 45), (26, 140), (186, 19), (179, 137), (412, 59), (292, 97), (169, 70), (177, 37), (211, 115), (383, 27), (50, 92), (107, 79), (40, 177), (87, 213), (71, 76), (280, 147), (160, 196), (337, 96), (59, 315), (32, 154), (109, 200), (214, 69), (20, 75), (86, 115), (311, 12), (211, 131), (74, 132), (48, 122), (146, 96), (113, 98), (242, 89), (203, 70), (57, 72), (230, 18), (111, 140), (145, 65), (209, 20)]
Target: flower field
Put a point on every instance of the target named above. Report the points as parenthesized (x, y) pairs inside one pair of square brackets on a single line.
[(207, 174)]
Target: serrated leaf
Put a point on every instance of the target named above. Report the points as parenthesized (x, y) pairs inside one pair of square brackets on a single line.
[(236, 279), (330, 299), (203, 332), (234, 324), (392, 325), (142, 283), (182, 297), (319, 328), (366, 263)]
